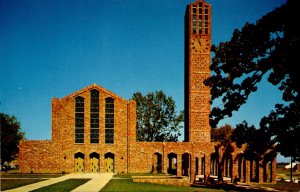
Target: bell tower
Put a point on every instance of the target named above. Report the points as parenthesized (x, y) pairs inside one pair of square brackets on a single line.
[(197, 61)]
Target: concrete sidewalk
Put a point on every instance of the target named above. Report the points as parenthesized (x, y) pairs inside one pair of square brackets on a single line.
[(97, 182)]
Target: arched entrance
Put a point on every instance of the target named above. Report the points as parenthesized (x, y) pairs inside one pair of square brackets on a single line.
[(254, 170), (109, 162), (172, 169), (227, 166), (214, 164), (157, 163), (79, 162), (186, 164), (241, 168), (94, 162)]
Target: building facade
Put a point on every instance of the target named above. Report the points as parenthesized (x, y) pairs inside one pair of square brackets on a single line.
[(94, 130)]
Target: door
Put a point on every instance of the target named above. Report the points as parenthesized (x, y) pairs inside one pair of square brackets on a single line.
[(94, 163), (79, 163), (109, 162)]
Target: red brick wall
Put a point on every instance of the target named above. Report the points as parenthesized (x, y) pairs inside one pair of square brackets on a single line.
[(63, 147)]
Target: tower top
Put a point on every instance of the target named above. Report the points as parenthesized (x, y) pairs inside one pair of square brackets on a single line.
[(199, 18)]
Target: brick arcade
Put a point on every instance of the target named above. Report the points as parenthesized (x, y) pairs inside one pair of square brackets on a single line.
[(94, 130)]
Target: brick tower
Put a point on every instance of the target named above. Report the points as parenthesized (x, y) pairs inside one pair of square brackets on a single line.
[(197, 61)]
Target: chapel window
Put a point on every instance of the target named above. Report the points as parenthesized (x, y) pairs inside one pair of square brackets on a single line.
[(94, 117), (79, 120), (109, 120)]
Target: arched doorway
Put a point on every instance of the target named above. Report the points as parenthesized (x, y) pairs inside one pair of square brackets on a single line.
[(172, 169), (157, 163), (214, 164), (227, 170), (109, 162), (186, 164), (94, 162), (79, 162)]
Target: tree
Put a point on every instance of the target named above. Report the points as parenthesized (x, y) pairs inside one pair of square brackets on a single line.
[(268, 48), (222, 137), (157, 119), (259, 142), (10, 137)]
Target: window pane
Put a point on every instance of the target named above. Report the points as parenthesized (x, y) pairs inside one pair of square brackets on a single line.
[(94, 117), (109, 120), (109, 136), (79, 120)]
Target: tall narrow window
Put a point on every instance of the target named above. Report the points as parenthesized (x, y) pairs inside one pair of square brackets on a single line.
[(79, 120), (94, 117), (194, 21), (109, 120), (206, 20), (200, 18)]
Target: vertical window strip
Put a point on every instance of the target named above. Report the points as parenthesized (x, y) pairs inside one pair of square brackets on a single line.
[(109, 120), (200, 18), (79, 120), (94, 117), (206, 19)]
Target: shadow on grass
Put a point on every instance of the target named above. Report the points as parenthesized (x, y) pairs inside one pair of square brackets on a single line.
[(67, 185), (228, 187), (10, 184)]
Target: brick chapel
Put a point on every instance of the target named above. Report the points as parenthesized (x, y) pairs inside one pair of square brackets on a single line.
[(94, 130)]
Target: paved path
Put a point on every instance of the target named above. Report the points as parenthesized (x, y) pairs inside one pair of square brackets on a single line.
[(97, 182)]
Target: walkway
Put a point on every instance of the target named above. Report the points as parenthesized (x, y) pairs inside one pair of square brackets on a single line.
[(97, 182)]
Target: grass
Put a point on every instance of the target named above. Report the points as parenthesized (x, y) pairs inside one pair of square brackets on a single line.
[(285, 173), (31, 175), (129, 175), (63, 186), (283, 186), (127, 185), (12, 180), (10, 184)]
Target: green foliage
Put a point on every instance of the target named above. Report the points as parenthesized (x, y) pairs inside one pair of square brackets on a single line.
[(157, 119), (258, 141), (268, 48), (10, 137), (223, 138), (67, 185)]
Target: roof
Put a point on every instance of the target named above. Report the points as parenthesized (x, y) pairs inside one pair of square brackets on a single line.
[(97, 87)]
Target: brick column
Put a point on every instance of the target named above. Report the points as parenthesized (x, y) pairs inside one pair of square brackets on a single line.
[(261, 171), (192, 168), (179, 165), (247, 179), (207, 167), (131, 131), (273, 163), (86, 163), (165, 160), (102, 163), (235, 169)]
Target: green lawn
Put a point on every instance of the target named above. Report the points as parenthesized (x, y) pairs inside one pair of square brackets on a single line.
[(283, 186), (63, 186), (14, 183), (123, 184), (14, 180), (29, 175)]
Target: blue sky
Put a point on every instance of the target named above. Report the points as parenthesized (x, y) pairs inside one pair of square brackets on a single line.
[(51, 48)]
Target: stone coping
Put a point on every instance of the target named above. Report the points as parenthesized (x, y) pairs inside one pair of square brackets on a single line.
[(158, 177)]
